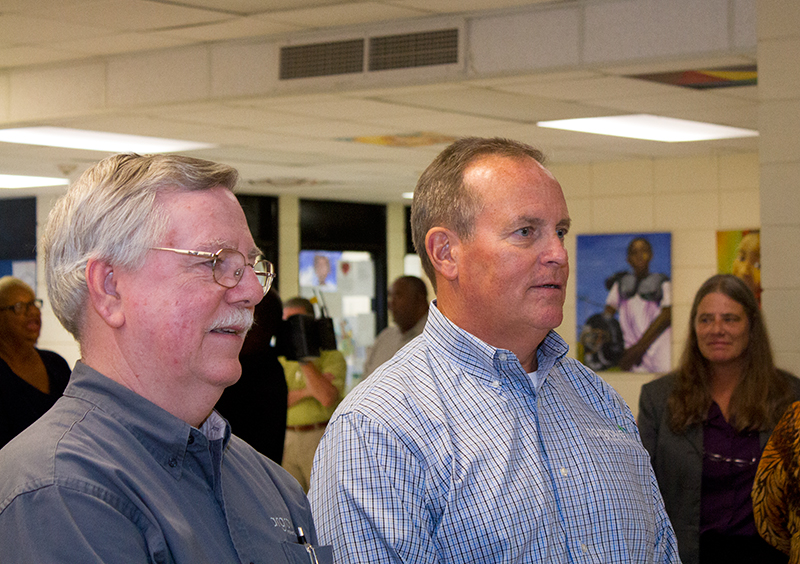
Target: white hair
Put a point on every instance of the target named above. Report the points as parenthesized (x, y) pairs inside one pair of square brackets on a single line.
[(110, 213)]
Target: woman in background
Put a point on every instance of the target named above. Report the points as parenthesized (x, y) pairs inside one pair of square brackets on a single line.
[(31, 380), (706, 424)]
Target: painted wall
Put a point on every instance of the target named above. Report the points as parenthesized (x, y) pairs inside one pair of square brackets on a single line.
[(692, 198), (779, 153)]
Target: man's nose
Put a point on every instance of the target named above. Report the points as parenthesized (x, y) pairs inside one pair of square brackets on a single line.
[(556, 252), (249, 287)]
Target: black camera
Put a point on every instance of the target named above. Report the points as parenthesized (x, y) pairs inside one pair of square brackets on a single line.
[(302, 337)]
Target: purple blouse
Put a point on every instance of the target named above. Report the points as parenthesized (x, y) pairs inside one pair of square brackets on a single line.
[(730, 461)]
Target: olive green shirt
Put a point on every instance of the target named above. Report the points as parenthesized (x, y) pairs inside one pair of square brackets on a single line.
[(309, 410)]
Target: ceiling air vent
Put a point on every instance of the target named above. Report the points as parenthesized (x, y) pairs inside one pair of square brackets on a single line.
[(413, 50), (322, 59)]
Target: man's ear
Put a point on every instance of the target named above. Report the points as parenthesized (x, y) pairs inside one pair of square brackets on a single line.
[(103, 296), (442, 246)]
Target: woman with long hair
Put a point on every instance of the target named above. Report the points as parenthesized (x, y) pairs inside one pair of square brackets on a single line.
[(706, 424)]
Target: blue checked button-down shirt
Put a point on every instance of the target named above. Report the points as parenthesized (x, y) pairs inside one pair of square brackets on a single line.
[(449, 453)]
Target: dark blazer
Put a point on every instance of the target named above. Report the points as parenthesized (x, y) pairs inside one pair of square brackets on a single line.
[(678, 461), (20, 403)]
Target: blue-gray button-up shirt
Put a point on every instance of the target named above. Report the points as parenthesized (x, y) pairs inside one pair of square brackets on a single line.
[(107, 476)]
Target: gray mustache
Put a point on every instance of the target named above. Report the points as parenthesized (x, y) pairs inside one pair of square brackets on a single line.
[(241, 319)]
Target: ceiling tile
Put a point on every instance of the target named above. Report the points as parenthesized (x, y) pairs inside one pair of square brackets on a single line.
[(445, 6), (31, 55), (117, 44), (344, 108), (234, 28), (255, 6), (347, 14), (128, 15), (24, 30), (225, 115), (597, 88)]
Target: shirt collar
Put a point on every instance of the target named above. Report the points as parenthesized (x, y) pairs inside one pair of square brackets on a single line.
[(463, 348), (215, 427), (165, 436)]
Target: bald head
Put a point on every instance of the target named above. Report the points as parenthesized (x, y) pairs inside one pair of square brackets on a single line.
[(408, 301)]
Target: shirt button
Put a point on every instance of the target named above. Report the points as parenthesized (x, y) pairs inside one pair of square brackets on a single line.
[(584, 548), (172, 462), (502, 356), (564, 472), (191, 439)]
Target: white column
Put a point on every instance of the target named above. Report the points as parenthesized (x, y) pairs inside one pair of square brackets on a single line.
[(779, 154), (288, 283)]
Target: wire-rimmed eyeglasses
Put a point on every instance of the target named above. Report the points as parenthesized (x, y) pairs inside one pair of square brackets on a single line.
[(227, 266), (20, 308)]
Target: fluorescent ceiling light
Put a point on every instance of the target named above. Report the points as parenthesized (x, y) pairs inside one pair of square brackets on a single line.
[(653, 128), (95, 140), (14, 181), (408, 195)]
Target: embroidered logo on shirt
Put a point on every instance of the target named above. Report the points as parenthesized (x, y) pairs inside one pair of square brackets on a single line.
[(283, 523), (610, 435)]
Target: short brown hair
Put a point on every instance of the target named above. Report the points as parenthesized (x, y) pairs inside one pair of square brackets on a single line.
[(442, 199)]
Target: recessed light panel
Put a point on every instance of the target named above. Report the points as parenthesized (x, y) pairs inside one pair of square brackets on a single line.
[(652, 128), (96, 140), (15, 181)]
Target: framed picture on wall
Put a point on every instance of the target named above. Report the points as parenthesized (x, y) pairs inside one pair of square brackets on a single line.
[(318, 269), (739, 253), (624, 301)]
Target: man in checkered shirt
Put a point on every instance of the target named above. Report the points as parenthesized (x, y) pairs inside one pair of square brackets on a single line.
[(480, 441)]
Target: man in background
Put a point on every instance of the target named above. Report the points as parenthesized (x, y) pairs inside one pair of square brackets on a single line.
[(151, 266), (408, 302), (481, 441), (316, 386)]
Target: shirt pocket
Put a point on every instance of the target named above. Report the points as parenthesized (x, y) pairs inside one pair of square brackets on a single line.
[(299, 554)]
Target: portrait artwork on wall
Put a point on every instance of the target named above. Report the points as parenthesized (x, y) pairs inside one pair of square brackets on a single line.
[(318, 269), (739, 253), (624, 303)]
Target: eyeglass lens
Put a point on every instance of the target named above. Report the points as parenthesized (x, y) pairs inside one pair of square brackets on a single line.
[(230, 265), (24, 307), (265, 273)]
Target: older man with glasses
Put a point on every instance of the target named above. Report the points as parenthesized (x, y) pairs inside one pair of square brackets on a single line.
[(151, 266)]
